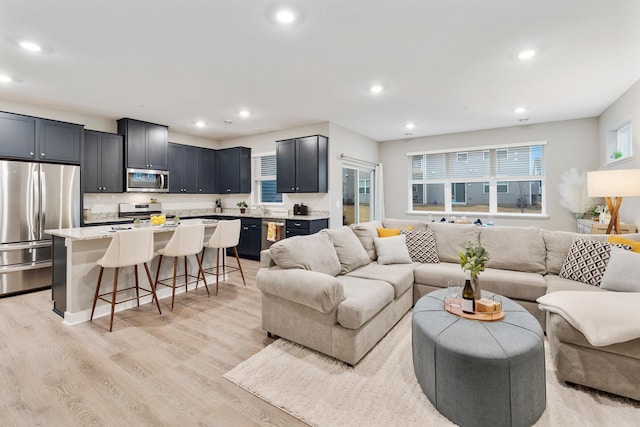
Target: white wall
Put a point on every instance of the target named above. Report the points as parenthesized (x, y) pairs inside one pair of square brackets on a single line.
[(571, 143), (627, 107)]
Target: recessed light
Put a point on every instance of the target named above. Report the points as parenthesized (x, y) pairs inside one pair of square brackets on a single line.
[(376, 89), (227, 122), (30, 46), (5, 79), (244, 113), (285, 17), (519, 110), (526, 54), (200, 124), (409, 125)]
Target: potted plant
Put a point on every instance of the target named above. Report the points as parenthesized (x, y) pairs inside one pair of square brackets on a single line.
[(474, 259), (616, 155), (243, 206), (218, 205)]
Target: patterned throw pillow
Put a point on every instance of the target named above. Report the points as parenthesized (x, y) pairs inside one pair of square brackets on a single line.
[(587, 260), (422, 246)]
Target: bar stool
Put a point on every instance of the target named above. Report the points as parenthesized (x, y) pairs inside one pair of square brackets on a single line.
[(226, 235), (130, 247), (186, 240)]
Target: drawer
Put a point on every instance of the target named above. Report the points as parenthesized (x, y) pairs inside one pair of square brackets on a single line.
[(297, 225)]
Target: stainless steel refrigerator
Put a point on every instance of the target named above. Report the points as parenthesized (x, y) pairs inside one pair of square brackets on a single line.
[(33, 197)]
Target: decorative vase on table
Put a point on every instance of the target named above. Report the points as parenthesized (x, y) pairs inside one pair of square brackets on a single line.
[(474, 259)]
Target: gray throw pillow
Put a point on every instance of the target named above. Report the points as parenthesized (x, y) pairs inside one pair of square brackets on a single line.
[(392, 250), (623, 271), (314, 252), (350, 251)]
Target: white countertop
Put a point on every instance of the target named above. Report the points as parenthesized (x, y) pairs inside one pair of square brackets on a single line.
[(107, 231), (201, 212)]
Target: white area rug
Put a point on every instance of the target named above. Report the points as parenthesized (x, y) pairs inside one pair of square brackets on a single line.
[(382, 389)]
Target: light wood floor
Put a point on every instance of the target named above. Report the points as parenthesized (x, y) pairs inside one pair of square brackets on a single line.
[(151, 370)]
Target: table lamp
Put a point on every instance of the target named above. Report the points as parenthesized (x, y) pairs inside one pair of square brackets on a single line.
[(613, 185)]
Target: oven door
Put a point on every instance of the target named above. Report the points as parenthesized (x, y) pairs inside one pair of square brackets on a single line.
[(147, 181)]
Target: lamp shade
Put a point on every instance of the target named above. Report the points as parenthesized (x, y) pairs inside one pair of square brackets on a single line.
[(614, 183)]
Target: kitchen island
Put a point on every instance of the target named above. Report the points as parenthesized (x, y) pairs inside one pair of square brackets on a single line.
[(75, 272)]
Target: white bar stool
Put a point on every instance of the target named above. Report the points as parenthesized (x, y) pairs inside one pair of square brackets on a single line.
[(226, 235), (186, 240), (128, 247)]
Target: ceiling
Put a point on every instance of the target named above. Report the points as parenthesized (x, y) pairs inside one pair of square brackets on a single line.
[(447, 66)]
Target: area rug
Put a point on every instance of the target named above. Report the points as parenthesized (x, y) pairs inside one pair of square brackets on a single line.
[(382, 389)]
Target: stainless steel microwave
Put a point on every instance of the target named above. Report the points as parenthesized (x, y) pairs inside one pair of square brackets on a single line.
[(147, 181)]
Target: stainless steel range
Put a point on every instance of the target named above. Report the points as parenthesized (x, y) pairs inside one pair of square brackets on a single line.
[(139, 210)]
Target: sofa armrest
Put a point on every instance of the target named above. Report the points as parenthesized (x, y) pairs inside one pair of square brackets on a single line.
[(318, 291)]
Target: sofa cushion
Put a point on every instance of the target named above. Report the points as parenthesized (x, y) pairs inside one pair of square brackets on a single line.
[(364, 298), (350, 251), (512, 284), (556, 283), (586, 261), (558, 244), (515, 248), (623, 271), (403, 223), (294, 253), (392, 250), (451, 239), (366, 231), (400, 276), (422, 246)]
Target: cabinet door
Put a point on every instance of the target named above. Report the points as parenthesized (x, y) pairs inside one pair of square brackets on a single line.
[(307, 165), (244, 170), (190, 169), (59, 141), (228, 177), (17, 136), (136, 141), (175, 168), (250, 238), (286, 166), (111, 163), (91, 163), (206, 171), (157, 147)]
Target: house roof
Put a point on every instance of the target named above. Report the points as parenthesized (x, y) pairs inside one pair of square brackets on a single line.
[(446, 66)]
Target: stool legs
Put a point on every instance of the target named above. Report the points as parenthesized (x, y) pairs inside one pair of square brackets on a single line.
[(153, 287), (174, 284), (235, 250), (135, 272), (113, 297), (95, 297)]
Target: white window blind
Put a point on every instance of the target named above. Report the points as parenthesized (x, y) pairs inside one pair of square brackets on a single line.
[(264, 179)]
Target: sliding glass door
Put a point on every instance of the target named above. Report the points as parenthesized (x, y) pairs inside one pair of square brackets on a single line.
[(357, 195)]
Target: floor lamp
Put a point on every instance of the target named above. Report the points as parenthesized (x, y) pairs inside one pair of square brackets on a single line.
[(613, 185)]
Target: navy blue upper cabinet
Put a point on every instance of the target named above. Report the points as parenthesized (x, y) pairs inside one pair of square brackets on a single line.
[(302, 165), (233, 170), (31, 138), (206, 171), (183, 168), (102, 164), (145, 144)]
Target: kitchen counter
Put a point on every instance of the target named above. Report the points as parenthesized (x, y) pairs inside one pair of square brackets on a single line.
[(75, 271)]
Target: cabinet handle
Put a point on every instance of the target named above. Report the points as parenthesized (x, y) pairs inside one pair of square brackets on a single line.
[(297, 224), (297, 188), (292, 188), (41, 154), (31, 153), (150, 166)]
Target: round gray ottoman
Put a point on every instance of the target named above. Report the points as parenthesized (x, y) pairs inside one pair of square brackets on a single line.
[(480, 373)]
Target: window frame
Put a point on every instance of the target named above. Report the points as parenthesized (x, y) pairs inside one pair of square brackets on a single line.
[(256, 180)]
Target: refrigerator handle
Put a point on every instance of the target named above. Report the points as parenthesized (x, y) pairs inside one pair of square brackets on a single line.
[(35, 200), (43, 203)]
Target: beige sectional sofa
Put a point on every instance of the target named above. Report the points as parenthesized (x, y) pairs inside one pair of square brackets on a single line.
[(328, 292)]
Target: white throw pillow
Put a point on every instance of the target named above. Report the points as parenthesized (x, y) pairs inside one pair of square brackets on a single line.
[(392, 250), (623, 271)]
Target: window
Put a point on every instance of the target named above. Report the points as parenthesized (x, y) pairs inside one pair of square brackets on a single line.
[(264, 179), (499, 179), (357, 201), (623, 142)]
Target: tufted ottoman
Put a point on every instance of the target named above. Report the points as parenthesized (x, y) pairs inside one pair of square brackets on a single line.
[(480, 373)]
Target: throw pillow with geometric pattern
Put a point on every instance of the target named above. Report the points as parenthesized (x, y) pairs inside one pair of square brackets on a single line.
[(422, 246), (586, 262)]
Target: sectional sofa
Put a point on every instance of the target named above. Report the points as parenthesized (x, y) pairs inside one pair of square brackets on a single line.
[(341, 290)]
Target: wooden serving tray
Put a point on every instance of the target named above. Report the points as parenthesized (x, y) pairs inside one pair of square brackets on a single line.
[(485, 317)]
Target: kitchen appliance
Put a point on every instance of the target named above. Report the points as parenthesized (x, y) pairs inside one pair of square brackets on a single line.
[(35, 197), (278, 232), (147, 181), (300, 209), (139, 210)]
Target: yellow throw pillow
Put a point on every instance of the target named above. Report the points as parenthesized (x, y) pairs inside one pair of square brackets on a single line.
[(635, 246), (388, 232)]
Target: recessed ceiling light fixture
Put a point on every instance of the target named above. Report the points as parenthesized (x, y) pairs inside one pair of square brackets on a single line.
[(30, 46), (227, 122), (519, 110), (5, 79), (410, 125), (527, 54), (244, 113), (200, 124), (376, 89), (285, 16)]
